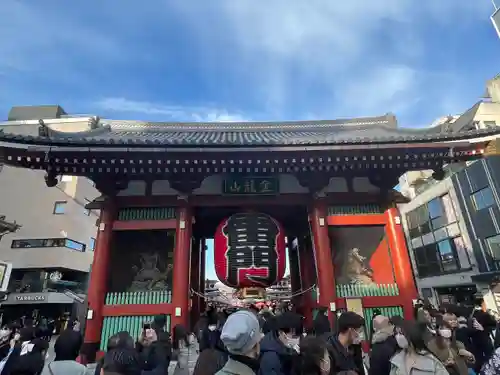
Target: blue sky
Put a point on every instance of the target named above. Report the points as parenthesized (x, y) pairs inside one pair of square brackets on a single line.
[(222, 60), (247, 59)]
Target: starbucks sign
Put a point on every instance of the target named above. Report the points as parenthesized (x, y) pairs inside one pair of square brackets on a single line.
[(30, 298)]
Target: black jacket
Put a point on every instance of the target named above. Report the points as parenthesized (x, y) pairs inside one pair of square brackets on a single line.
[(156, 357), (275, 357), (342, 359), (384, 346)]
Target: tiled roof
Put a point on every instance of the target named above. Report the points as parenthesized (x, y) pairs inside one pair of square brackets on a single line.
[(353, 131)]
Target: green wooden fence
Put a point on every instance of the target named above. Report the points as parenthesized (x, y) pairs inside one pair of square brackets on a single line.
[(146, 213), (360, 290), (139, 298), (132, 324)]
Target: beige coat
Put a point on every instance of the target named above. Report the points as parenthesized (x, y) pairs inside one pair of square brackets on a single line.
[(426, 364)]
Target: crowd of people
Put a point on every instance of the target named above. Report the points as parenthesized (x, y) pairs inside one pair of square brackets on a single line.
[(453, 340)]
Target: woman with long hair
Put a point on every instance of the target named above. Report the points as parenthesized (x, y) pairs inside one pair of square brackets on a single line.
[(313, 358), (450, 352), (414, 355), (182, 345)]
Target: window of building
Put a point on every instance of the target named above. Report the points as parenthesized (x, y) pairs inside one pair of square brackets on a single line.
[(92, 244), (483, 198), (490, 124), (433, 215), (462, 253), (73, 245), (441, 257), (47, 242), (494, 246), (449, 260), (59, 207)]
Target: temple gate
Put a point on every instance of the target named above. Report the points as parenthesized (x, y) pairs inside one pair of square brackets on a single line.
[(167, 186)]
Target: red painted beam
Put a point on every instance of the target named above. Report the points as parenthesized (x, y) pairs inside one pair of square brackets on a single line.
[(345, 220), (131, 310), (144, 224)]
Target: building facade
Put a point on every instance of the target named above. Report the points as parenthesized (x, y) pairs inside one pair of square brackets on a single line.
[(52, 250), (439, 245), (450, 224)]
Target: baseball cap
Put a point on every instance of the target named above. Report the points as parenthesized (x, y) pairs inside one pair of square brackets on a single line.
[(241, 332)]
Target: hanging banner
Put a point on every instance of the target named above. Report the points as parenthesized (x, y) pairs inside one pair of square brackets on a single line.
[(249, 250)]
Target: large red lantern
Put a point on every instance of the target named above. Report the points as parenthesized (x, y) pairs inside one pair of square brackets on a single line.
[(249, 250)]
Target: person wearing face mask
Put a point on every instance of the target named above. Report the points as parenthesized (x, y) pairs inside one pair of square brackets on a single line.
[(6, 335), (344, 356), (450, 352), (384, 346), (279, 347), (314, 358), (425, 318), (241, 336), (414, 357)]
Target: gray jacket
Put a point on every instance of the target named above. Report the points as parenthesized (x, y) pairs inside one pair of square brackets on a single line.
[(64, 368), (233, 367)]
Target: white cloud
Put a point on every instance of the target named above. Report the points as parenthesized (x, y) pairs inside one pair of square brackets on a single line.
[(393, 87), (167, 112), (327, 42), (288, 58)]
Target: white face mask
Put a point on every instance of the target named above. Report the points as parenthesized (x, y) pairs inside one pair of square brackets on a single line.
[(358, 337), (402, 341), (4, 332), (446, 333), (290, 341)]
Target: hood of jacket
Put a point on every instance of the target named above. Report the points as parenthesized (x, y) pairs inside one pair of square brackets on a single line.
[(382, 335), (271, 343)]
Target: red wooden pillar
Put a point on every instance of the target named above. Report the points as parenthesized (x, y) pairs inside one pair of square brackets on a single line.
[(323, 255), (402, 265), (98, 283), (306, 280), (180, 287), (203, 258), (195, 282)]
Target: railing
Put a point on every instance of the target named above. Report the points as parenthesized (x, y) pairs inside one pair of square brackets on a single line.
[(355, 209), (360, 290), (146, 213), (132, 324), (139, 298)]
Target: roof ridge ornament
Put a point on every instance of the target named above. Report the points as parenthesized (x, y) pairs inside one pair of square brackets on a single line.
[(43, 129)]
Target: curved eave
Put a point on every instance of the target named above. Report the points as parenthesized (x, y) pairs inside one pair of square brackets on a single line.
[(288, 143), (475, 142)]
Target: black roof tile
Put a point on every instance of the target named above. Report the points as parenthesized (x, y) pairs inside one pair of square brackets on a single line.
[(354, 131)]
